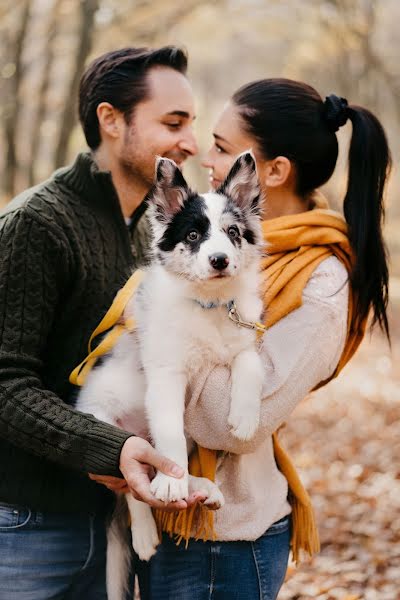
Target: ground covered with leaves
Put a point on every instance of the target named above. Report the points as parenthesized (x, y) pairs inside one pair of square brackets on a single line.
[(346, 442)]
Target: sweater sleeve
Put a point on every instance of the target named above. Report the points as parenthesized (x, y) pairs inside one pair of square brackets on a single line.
[(34, 267), (298, 352)]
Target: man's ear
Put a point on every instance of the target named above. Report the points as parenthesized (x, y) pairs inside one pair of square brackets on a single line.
[(277, 172), (241, 183), (169, 190), (109, 118)]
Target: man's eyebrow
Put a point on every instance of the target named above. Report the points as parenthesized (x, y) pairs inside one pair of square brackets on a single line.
[(180, 113)]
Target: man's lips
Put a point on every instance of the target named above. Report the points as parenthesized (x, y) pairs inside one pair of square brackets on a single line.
[(177, 158)]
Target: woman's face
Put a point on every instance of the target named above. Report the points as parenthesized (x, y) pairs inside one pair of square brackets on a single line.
[(230, 139)]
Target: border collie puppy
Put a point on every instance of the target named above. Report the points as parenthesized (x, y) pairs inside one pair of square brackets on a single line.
[(206, 260)]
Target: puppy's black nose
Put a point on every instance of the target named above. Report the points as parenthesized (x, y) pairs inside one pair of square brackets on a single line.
[(219, 261)]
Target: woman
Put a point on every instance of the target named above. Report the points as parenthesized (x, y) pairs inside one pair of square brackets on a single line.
[(321, 279)]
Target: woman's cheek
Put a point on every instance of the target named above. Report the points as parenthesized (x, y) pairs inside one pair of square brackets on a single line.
[(225, 164)]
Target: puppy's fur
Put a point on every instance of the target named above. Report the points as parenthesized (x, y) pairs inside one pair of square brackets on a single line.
[(206, 250)]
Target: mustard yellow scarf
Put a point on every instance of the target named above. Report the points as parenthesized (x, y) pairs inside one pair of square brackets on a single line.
[(295, 245)]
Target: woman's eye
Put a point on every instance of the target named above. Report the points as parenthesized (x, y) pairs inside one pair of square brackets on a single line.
[(193, 236), (219, 149), (233, 232), (173, 125)]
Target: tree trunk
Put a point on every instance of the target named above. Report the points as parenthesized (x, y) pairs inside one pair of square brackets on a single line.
[(12, 105), (43, 91), (88, 9)]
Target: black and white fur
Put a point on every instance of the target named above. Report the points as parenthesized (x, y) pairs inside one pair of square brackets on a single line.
[(206, 250)]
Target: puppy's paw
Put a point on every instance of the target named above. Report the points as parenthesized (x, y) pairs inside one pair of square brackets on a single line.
[(169, 489), (244, 426), (145, 538), (215, 498)]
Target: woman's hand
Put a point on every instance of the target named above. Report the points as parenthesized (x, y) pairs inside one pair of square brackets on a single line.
[(138, 462)]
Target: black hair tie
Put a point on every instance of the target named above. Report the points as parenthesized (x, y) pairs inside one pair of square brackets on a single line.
[(336, 112)]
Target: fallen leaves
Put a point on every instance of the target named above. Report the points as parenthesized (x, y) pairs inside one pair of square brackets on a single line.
[(346, 442)]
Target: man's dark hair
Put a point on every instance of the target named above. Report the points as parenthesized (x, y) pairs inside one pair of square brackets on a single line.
[(120, 78)]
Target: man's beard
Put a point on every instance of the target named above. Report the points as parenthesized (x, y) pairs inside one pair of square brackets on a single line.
[(133, 167), (137, 168), (134, 164)]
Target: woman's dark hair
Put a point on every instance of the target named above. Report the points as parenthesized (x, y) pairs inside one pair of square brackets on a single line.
[(289, 118), (120, 78)]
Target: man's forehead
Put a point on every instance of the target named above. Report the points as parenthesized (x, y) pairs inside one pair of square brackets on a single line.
[(170, 92)]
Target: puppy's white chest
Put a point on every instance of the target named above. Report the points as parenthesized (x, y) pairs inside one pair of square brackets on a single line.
[(213, 339)]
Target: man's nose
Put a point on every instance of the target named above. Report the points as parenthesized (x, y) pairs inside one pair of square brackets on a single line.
[(189, 144), (219, 261)]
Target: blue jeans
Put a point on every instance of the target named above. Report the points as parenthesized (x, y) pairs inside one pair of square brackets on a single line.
[(221, 570), (51, 556)]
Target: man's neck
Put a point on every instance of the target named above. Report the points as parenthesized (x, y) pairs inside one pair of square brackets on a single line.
[(130, 191)]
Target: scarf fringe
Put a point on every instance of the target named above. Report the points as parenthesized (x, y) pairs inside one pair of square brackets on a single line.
[(304, 529), (197, 522)]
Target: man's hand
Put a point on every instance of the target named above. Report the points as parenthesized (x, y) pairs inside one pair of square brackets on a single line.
[(138, 460)]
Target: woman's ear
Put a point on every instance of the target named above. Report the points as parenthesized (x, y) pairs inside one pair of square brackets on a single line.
[(276, 172), (109, 119)]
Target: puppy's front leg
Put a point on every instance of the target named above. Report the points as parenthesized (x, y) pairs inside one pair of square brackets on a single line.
[(144, 530), (247, 378), (165, 405)]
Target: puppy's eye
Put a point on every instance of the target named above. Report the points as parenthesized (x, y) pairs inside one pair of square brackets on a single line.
[(193, 236), (233, 232)]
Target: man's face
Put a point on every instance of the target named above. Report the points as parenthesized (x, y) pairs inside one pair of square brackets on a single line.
[(160, 126)]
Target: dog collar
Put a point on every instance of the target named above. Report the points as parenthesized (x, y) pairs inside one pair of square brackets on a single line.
[(208, 305), (234, 315)]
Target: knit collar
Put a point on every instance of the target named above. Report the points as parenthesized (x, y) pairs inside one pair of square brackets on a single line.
[(85, 178), (95, 186)]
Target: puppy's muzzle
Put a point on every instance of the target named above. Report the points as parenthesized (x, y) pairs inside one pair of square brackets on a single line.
[(219, 261)]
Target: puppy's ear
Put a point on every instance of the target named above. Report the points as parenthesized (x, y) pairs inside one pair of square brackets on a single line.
[(169, 190), (241, 183)]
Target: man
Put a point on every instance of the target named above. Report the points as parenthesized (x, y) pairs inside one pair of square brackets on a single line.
[(66, 247)]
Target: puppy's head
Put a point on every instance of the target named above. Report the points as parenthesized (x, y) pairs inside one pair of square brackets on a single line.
[(210, 236)]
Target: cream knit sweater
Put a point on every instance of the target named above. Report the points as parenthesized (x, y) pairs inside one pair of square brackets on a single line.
[(299, 351)]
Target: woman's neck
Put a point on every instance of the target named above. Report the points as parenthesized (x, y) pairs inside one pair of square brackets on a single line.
[(282, 202)]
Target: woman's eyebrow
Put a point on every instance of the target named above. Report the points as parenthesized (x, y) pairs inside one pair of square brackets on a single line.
[(219, 138)]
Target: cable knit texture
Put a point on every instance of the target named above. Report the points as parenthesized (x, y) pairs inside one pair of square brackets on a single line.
[(299, 351), (64, 252)]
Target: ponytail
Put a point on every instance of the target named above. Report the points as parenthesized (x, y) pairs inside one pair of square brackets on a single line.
[(369, 167)]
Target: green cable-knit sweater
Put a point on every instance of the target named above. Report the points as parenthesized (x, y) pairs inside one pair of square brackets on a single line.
[(65, 250)]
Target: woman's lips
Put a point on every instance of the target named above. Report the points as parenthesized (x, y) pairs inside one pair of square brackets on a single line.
[(214, 182)]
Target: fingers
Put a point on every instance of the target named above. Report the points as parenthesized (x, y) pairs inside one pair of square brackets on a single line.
[(196, 497), (162, 463), (141, 450), (105, 478), (115, 484), (139, 487)]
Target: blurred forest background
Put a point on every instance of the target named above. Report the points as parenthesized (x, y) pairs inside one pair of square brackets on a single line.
[(346, 437)]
